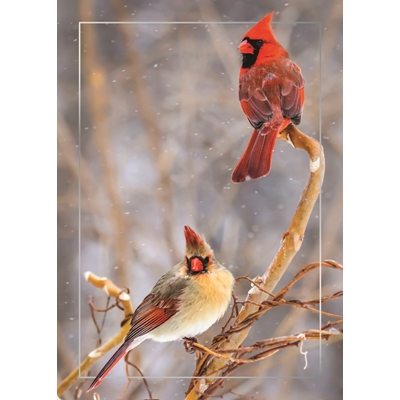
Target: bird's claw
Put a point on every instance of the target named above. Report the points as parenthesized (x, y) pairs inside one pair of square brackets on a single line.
[(187, 344)]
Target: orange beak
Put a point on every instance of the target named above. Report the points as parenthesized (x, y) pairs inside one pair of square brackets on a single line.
[(196, 265), (245, 47)]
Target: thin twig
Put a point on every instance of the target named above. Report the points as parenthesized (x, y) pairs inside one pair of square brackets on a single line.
[(140, 372), (254, 283), (112, 290)]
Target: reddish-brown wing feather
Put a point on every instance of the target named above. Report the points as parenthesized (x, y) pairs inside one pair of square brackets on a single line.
[(154, 310), (151, 313), (256, 106), (292, 92)]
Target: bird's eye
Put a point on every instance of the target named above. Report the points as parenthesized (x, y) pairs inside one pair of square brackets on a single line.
[(206, 260), (260, 42)]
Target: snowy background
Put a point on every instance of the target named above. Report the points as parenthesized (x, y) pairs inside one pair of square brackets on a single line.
[(161, 131)]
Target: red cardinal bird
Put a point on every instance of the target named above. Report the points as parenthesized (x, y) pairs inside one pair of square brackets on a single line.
[(184, 302), (271, 93)]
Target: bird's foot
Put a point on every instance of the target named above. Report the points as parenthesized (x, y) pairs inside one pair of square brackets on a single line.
[(187, 344)]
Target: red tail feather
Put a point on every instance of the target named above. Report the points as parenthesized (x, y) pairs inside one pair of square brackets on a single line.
[(257, 158), (110, 365)]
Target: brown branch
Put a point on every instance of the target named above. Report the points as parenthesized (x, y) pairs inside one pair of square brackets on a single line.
[(290, 245), (255, 282), (120, 294), (93, 310), (234, 311), (267, 304), (304, 271), (268, 347), (330, 324)]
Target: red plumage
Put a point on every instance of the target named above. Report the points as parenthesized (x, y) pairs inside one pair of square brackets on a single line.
[(271, 93)]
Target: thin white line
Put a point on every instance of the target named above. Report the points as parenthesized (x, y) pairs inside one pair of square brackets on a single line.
[(208, 376), (320, 202), (79, 200), (190, 22), (79, 185)]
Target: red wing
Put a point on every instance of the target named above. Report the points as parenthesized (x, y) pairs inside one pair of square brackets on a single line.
[(256, 106), (151, 313), (292, 92)]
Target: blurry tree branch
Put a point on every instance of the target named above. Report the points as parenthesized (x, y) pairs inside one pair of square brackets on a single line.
[(96, 78), (163, 162), (70, 153), (218, 33), (121, 296), (290, 245)]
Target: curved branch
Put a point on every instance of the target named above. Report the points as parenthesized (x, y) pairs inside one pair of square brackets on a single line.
[(108, 286), (290, 245)]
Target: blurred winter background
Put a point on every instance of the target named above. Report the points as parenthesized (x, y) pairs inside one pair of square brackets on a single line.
[(161, 131)]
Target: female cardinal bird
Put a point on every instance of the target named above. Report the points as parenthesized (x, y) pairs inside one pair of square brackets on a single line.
[(271, 93), (184, 302)]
